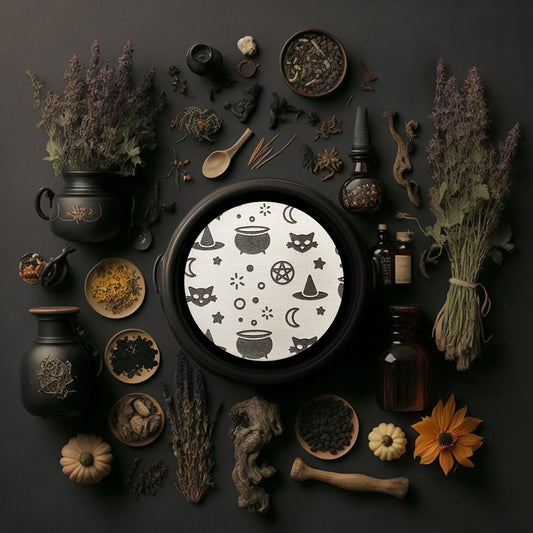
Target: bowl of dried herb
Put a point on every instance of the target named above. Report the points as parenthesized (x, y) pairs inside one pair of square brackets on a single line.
[(115, 288), (313, 63)]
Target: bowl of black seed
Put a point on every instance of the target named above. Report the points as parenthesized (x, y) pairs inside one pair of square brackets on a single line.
[(132, 356), (327, 427), (313, 63)]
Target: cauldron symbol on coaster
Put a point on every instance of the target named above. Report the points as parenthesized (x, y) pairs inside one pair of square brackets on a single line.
[(310, 291), (254, 343), (252, 239)]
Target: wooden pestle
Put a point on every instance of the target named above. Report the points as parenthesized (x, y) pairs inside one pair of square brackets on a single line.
[(396, 487)]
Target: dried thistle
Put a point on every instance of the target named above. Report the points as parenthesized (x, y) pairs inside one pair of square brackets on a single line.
[(101, 120), (471, 186), (191, 428), (329, 161), (327, 128)]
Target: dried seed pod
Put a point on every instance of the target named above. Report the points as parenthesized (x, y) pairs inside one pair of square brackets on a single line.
[(153, 423), (136, 424), (141, 407)]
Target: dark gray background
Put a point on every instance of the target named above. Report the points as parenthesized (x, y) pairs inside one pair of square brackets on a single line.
[(401, 42)]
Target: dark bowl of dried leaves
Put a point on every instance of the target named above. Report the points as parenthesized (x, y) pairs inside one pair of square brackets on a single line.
[(313, 63)]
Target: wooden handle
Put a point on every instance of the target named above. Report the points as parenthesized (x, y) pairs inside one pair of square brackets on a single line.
[(242, 139), (396, 487)]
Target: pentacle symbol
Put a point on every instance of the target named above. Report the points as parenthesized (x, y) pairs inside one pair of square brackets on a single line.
[(282, 272)]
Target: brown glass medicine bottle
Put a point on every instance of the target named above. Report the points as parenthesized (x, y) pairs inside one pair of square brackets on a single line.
[(403, 365), (403, 259)]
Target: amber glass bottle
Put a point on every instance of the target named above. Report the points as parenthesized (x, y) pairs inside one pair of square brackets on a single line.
[(403, 365), (403, 259)]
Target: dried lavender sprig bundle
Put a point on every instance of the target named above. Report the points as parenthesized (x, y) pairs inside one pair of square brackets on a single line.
[(191, 428), (102, 120), (471, 187)]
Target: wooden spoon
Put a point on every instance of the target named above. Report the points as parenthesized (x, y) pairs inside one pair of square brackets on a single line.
[(396, 487), (216, 163)]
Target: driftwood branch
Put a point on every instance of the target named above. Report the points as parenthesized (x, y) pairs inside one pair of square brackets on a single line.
[(402, 162), (253, 424)]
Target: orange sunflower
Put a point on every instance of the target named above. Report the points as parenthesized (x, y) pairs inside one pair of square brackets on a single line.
[(447, 434)]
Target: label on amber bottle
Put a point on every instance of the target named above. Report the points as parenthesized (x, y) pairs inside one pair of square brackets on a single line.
[(402, 269)]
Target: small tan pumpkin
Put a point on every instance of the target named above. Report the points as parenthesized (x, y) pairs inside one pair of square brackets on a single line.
[(387, 441), (86, 458)]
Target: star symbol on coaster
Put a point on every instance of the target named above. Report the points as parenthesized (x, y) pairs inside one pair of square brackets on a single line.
[(282, 272), (217, 260), (217, 318), (319, 263), (320, 310)]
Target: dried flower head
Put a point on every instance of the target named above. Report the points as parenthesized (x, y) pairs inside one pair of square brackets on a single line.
[(102, 120), (447, 434)]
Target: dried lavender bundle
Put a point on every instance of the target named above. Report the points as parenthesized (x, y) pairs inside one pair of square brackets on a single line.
[(471, 187), (102, 120), (191, 428)]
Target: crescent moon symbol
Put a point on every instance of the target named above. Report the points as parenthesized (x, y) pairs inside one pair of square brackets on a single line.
[(188, 269), (287, 214), (289, 317)]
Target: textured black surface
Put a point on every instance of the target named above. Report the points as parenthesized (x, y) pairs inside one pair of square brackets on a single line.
[(401, 43)]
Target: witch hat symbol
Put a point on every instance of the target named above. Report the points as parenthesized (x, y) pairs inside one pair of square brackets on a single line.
[(207, 242), (310, 291)]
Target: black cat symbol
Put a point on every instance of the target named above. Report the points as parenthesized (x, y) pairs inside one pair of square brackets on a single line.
[(299, 345), (302, 242), (200, 296)]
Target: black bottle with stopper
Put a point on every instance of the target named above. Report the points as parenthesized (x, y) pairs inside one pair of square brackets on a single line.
[(361, 192), (382, 259)]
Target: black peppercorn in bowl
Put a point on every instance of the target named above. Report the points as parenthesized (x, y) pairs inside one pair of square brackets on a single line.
[(327, 427), (313, 63)]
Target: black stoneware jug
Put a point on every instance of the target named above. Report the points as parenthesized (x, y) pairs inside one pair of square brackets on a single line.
[(57, 372)]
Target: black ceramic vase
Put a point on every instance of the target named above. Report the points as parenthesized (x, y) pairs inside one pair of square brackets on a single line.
[(86, 210), (57, 372), (204, 60)]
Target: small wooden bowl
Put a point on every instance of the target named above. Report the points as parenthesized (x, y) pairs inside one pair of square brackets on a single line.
[(93, 276), (324, 70), (131, 334), (115, 414), (321, 454)]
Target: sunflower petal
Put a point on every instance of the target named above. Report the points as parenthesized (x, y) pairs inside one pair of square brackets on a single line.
[(471, 440), (425, 448), (429, 456), (448, 413), (437, 415), (461, 454), (446, 460), (467, 425), (457, 418), (426, 427)]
